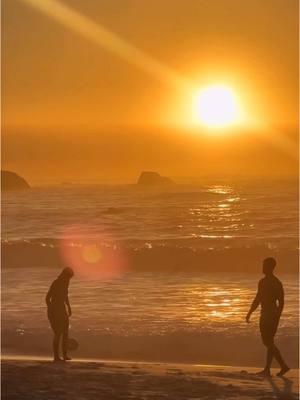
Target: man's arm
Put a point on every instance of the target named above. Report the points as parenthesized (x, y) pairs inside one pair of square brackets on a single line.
[(255, 303), (280, 299)]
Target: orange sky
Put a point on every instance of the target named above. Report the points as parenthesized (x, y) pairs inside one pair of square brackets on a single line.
[(74, 110)]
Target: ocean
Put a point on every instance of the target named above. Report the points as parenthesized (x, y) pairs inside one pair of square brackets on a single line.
[(164, 274)]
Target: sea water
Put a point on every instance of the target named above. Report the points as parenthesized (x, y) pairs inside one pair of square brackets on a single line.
[(193, 262)]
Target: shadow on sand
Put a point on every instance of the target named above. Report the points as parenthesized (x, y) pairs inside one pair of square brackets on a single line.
[(284, 393)]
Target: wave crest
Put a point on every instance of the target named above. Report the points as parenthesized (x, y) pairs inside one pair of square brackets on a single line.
[(155, 256)]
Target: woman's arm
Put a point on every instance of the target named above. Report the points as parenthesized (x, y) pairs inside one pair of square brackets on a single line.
[(68, 306), (49, 296)]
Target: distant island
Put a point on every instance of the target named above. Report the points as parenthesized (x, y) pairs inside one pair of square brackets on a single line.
[(150, 178), (12, 181)]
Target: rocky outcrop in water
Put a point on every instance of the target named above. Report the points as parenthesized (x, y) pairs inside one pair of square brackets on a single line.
[(12, 181), (150, 178)]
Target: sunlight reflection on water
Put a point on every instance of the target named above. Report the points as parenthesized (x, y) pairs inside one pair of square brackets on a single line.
[(181, 212), (145, 303)]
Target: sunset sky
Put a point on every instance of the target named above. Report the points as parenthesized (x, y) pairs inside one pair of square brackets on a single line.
[(82, 105)]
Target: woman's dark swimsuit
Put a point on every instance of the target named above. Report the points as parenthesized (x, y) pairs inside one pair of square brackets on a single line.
[(57, 312)]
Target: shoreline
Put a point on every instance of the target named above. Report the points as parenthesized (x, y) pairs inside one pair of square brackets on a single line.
[(185, 365), (39, 378)]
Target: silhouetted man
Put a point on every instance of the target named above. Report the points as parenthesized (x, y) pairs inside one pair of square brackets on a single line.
[(270, 296), (59, 311)]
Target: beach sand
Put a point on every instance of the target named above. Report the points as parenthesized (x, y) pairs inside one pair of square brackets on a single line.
[(38, 379)]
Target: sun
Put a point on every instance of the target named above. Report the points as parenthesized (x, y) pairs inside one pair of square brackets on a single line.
[(216, 106)]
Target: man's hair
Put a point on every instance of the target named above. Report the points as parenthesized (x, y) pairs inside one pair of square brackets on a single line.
[(270, 263)]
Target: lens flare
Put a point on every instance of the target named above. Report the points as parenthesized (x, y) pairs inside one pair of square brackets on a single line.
[(92, 257), (91, 254)]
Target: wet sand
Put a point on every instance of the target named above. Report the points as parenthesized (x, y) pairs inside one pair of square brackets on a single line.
[(41, 379)]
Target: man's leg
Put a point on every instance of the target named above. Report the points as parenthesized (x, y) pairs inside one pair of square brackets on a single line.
[(278, 356), (281, 362), (268, 332), (270, 354), (276, 352), (267, 340)]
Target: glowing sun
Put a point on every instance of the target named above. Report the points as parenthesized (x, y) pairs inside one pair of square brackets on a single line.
[(217, 106)]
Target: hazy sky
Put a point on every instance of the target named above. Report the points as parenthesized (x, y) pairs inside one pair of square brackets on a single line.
[(74, 110)]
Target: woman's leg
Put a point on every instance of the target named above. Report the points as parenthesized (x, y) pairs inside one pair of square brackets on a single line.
[(57, 332), (65, 337), (56, 340)]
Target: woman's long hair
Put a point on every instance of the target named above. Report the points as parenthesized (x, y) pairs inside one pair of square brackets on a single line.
[(66, 273)]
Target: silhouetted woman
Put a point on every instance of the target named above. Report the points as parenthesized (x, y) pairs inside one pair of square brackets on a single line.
[(59, 311)]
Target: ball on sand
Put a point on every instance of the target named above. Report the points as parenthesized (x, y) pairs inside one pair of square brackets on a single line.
[(72, 344)]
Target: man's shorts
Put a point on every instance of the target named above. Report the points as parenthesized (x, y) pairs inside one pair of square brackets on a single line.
[(268, 325)]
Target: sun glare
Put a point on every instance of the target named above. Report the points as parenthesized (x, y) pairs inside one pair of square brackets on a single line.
[(216, 106)]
